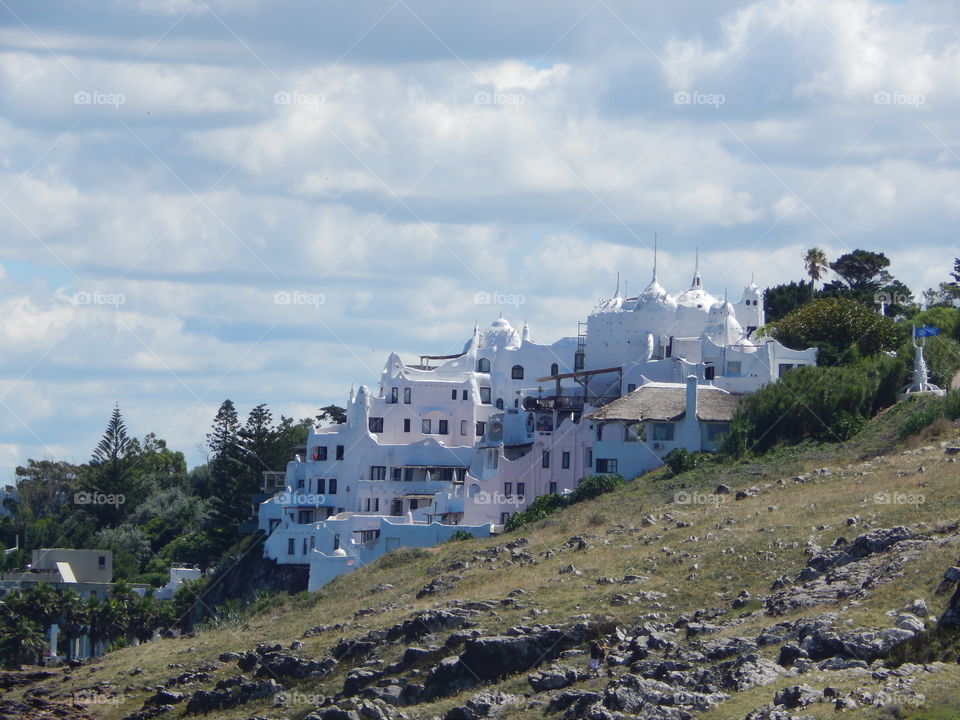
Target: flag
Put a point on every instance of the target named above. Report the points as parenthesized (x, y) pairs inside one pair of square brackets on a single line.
[(925, 331)]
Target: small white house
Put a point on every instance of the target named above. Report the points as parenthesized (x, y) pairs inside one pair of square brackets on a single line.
[(634, 432)]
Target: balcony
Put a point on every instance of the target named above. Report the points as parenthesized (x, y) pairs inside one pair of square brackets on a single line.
[(273, 481)]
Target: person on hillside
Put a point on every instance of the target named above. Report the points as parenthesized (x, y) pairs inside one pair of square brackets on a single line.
[(597, 653)]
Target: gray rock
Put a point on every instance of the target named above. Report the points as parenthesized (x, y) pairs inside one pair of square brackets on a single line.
[(553, 678), (797, 696)]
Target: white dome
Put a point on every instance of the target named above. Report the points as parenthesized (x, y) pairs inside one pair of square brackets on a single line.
[(722, 326), (697, 298), (500, 334), (340, 552), (654, 297)]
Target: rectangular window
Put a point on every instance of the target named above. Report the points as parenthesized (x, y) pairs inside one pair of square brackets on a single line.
[(442, 430), (408, 474), (588, 458), (396, 474), (368, 504), (321, 486), (508, 489), (375, 424), (715, 431), (300, 483), (336, 541), (663, 432), (545, 459), (407, 392), (322, 453), (481, 428), (464, 395), (291, 546), (733, 368), (599, 432), (406, 424), (102, 562), (313, 541), (304, 547), (426, 426), (414, 504), (504, 516), (553, 488), (464, 426), (606, 465), (339, 452), (565, 460), (378, 472), (782, 368), (521, 489), (333, 486), (394, 395), (485, 395), (376, 506), (453, 394)]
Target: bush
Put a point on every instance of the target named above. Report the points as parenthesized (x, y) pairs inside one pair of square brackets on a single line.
[(540, 508), (460, 535), (680, 460), (594, 486), (545, 505), (930, 409), (844, 330), (822, 403)]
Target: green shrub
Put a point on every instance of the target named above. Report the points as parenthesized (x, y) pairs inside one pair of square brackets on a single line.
[(821, 403), (540, 508), (844, 330), (460, 535), (929, 410), (594, 486), (681, 460)]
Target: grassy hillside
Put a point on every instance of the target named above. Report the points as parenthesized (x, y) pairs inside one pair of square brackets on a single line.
[(692, 550)]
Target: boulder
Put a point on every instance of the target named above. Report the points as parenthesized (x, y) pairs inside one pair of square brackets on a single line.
[(553, 678), (481, 705), (797, 696)]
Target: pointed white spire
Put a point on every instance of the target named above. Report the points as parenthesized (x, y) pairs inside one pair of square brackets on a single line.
[(697, 282)]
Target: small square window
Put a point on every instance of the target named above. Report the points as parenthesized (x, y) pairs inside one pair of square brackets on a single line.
[(376, 424)]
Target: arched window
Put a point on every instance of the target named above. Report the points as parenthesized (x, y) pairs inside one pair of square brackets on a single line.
[(554, 369), (499, 403), (483, 365), (517, 372)]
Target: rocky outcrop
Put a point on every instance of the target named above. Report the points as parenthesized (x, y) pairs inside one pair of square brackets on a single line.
[(230, 693)]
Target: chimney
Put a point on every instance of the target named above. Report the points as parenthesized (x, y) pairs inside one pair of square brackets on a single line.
[(691, 405)]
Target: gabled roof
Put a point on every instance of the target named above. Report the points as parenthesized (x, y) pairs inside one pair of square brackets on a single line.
[(667, 402)]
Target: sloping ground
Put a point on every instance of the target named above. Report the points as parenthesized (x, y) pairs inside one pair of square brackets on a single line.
[(797, 587)]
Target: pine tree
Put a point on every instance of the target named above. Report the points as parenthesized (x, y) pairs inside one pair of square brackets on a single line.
[(229, 476), (110, 483), (259, 440)]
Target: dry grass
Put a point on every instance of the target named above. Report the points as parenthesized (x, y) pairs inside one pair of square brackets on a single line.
[(728, 546)]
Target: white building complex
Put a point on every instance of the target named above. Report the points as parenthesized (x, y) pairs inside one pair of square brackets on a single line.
[(461, 442)]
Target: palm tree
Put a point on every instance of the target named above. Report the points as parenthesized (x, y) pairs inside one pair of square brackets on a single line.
[(815, 261), (21, 641)]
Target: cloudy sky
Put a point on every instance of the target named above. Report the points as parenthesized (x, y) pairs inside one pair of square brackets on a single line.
[(258, 200)]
